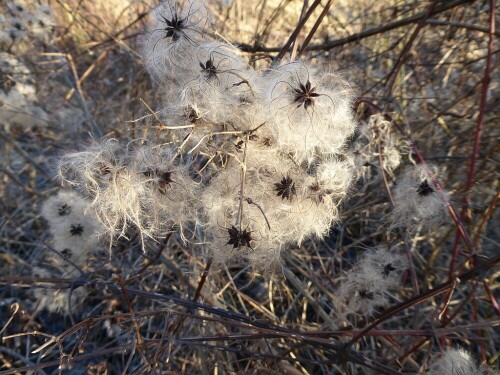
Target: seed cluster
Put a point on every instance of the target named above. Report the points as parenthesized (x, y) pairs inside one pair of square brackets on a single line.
[(250, 161)]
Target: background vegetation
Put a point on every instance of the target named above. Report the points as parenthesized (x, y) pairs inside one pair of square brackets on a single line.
[(74, 70)]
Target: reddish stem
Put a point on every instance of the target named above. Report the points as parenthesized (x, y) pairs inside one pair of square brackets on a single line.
[(477, 138), (486, 217), (492, 298)]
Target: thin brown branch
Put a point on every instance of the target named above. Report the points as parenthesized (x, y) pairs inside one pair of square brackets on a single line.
[(293, 37), (445, 6), (315, 27)]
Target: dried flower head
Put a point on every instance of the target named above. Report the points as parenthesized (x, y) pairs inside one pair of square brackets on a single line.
[(73, 225), (377, 149), (239, 238), (175, 30), (364, 289), (234, 153), (416, 200), (305, 95), (424, 189), (308, 110), (285, 188)]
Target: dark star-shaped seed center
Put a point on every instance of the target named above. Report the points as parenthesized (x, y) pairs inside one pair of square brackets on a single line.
[(305, 95), (239, 238), (285, 188), (76, 229), (424, 189)]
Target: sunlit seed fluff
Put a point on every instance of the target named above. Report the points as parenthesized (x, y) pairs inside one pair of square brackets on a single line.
[(268, 261), (220, 82), (284, 207), (224, 122), (92, 167), (221, 64), (174, 31), (456, 362), (417, 201), (171, 195), (308, 110), (118, 192)]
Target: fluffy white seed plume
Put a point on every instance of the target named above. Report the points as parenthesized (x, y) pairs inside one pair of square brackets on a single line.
[(374, 142), (217, 93), (220, 82), (249, 156), (416, 199), (283, 202), (117, 191), (172, 195), (73, 225), (457, 362), (366, 287), (309, 111), (137, 184), (174, 32)]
